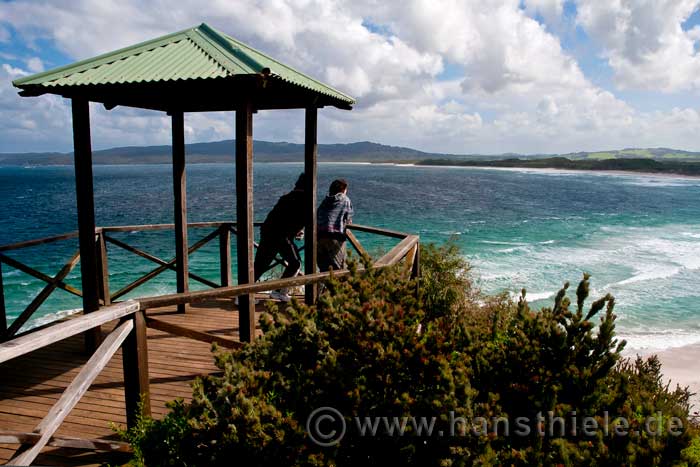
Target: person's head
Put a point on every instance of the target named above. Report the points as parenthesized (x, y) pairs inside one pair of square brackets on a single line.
[(338, 186), (301, 182)]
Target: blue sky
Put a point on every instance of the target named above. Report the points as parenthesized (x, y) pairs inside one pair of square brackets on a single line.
[(529, 76)]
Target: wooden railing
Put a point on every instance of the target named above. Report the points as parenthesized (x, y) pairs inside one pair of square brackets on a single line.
[(130, 331), (105, 236), (129, 335)]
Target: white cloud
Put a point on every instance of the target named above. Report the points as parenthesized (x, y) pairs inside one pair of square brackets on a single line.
[(644, 41), (521, 91), (550, 10), (35, 64)]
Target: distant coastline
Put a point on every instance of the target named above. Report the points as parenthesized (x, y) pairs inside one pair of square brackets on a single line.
[(646, 166), (635, 160)]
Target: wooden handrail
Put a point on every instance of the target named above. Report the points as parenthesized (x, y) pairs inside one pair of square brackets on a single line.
[(38, 241), (194, 225), (226, 289), (398, 252), (378, 231), (63, 330), (77, 388), (391, 258)]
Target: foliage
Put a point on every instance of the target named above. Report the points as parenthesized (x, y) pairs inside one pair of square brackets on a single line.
[(370, 348)]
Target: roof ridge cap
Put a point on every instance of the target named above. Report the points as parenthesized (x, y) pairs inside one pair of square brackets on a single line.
[(221, 47), (274, 60)]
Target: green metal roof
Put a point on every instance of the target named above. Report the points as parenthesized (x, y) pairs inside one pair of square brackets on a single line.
[(196, 53)]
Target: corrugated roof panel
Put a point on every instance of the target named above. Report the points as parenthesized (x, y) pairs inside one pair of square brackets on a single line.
[(195, 53), (175, 61)]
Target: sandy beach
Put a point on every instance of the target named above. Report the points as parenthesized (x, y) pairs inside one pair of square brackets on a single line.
[(681, 365)]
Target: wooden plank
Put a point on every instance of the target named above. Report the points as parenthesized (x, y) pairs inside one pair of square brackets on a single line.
[(168, 264), (378, 231), (49, 424), (39, 275), (244, 217), (356, 244), (3, 312), (399, 251), (310, 230), (191, 333), (103, 270), (152, 227), (43, 295), (225, 256), (36, 340), (135, 366), (38, 241), (180, 207), (18, 437), (235, 291), (82, 148)]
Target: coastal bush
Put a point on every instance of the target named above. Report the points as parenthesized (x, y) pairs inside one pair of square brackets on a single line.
[(470, 365)]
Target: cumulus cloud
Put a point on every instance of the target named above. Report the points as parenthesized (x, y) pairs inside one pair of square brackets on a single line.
[(550, 10), (35, 64), (645, 42), (516, 88)]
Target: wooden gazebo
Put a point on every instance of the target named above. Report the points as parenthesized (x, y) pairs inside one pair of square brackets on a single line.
[(196, 70)]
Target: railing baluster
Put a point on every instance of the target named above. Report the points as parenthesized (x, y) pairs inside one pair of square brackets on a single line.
[(135, 366), (163, 264), (103, 270), (39, 275), (3, 315), (415, 270), (43, 295), (225, 255)]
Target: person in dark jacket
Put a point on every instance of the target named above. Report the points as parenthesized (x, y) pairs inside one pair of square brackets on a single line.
[(284, 222), (333, 216)]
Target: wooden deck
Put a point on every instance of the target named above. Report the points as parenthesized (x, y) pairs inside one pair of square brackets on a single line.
[(31, 384)]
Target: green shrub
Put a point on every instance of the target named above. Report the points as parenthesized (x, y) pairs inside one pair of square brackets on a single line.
[(370, 347)]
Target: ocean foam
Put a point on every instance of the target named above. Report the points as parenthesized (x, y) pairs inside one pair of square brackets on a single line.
[(653, 341), (533, 297), (49, 318)]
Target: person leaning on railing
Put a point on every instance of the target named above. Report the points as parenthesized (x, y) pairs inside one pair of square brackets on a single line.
[(333, 216), (284, 222)]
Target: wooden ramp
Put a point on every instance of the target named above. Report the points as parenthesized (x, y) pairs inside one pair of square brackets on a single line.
[(31, 384)]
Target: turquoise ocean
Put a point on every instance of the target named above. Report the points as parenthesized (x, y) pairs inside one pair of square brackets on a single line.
[(638, 235)]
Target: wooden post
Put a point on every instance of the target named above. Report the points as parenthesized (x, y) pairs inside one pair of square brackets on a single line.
[(310, 231), (244, 218), (415, 268), (86, 214), (180, 208), (225, 255), (135, 366), (3, 314), (103, 270)]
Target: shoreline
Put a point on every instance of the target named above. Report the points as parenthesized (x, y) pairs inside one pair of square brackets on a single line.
[(554, 170), (679, 366)]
